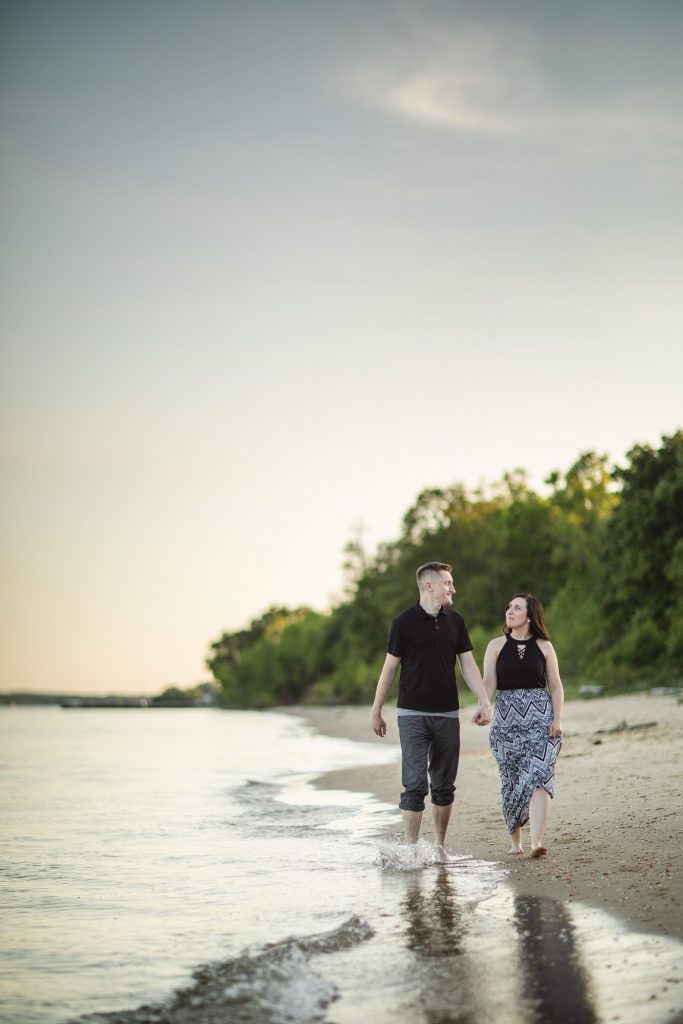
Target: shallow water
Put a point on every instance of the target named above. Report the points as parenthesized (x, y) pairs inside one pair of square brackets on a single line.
[(139, 845), (135, 845)]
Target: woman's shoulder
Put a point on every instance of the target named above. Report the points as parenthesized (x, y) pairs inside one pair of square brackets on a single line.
[(544, 645), (497, 642)]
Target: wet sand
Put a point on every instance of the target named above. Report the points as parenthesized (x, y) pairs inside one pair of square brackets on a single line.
[(615, 836)]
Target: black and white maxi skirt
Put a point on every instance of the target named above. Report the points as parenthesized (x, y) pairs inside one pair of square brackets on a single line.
[(525, 752)]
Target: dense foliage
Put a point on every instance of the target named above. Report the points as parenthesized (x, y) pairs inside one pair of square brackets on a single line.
[(603, 551)]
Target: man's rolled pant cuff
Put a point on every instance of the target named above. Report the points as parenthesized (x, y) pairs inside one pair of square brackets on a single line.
[(443, 798), (412, 802)]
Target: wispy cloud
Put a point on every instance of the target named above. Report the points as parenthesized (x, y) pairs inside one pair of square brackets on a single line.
[(489, 80)]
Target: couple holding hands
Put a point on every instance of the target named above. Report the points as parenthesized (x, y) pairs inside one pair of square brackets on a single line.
[(526, 733)]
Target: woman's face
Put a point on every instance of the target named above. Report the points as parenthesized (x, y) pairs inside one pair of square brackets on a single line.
[(516, 614)]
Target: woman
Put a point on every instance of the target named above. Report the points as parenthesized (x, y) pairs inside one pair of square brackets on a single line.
[(526, 732)]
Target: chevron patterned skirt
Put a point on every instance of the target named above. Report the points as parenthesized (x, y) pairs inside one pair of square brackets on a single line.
[(525, 753)]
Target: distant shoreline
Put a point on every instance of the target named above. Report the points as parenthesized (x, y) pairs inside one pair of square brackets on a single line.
[(79, 703)]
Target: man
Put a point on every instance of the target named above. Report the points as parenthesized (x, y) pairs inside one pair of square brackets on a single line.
[(425, 641)]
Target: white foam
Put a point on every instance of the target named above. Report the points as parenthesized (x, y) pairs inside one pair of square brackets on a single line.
[(398, 855)]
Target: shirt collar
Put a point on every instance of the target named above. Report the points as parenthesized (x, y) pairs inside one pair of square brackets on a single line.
[(426, 615)]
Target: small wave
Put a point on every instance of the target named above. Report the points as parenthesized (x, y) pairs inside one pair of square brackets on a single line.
[(274, 985), (398, 855)]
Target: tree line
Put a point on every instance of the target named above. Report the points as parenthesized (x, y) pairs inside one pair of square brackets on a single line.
[(603, 550)]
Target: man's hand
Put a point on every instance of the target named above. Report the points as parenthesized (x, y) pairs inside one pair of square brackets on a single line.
[(482, 716), (379, 726)]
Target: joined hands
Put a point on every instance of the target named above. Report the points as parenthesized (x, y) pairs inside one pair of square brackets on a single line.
[(482, 716)]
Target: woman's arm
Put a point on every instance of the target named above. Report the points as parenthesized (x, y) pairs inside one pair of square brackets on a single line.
[(552, 671)]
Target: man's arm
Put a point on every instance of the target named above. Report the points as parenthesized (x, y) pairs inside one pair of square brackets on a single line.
[(472, 676), (386, 678)]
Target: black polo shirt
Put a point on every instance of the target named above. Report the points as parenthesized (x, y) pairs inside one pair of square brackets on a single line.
[(427, 646)]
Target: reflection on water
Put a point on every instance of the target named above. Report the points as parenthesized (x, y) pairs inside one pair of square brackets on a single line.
[(436, 928), (556, 981), (436, 920), (518, 958), (455, 944)]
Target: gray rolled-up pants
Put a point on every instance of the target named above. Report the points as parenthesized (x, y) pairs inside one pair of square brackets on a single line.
[(430, 750)]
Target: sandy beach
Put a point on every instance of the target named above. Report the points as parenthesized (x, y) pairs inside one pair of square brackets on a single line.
[(615, 833)]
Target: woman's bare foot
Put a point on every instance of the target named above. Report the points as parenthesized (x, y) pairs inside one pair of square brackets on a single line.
[(538, 851), (515, 842)]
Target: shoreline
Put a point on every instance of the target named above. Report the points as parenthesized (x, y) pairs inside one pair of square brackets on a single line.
[(614, 837)]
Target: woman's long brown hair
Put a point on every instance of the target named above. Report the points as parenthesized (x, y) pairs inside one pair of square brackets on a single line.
[(536, 616)]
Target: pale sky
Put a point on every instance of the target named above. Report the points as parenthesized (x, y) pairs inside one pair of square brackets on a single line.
[(271, 268)]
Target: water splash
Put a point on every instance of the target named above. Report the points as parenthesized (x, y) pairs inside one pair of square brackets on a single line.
[(398, 855)]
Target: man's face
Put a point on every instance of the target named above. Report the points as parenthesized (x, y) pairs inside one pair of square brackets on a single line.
[(443, 588)]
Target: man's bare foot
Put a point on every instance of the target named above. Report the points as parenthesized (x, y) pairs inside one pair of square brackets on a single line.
[(441, 857), (538, 851)]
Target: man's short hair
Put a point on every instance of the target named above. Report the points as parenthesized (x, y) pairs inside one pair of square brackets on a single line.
[(430, 571)]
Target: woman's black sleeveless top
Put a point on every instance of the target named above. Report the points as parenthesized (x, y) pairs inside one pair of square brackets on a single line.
[(520, 665)]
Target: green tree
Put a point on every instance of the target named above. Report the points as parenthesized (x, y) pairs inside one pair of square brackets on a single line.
[(280, 666), (603, 551), (246, 683), (642, 593), (583, 499)]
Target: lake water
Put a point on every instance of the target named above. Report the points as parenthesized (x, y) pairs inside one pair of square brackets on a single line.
[(138, 845)]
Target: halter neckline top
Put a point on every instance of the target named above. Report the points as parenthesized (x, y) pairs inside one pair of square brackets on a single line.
[(520, 665)]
